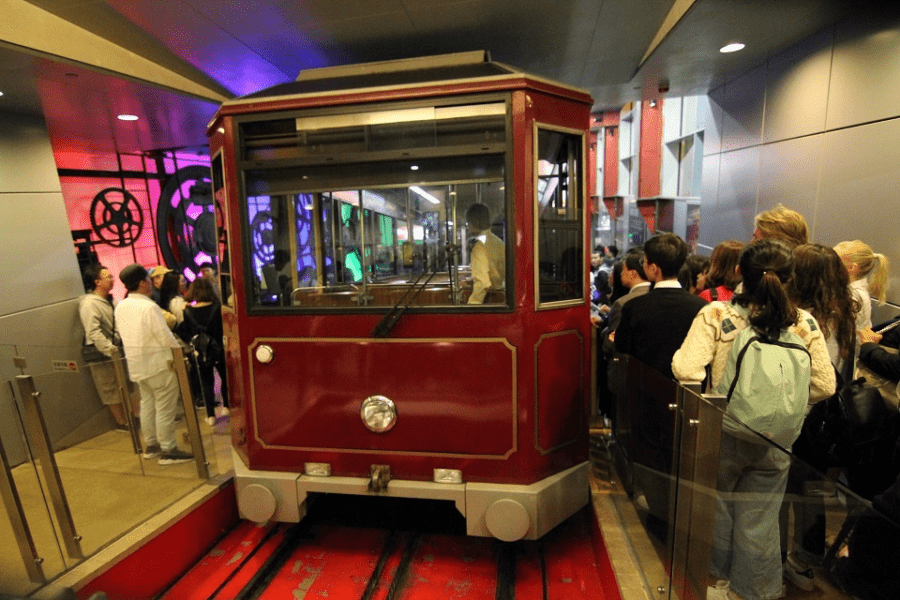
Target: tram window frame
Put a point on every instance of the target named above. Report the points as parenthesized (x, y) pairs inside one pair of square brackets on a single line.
[(223, 234), (486, 163), (558, 278)]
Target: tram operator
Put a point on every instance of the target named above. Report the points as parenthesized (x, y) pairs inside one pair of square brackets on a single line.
[(488, 255)]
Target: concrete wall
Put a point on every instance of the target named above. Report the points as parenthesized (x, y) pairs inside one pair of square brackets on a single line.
[(41, 284), (816, 128)]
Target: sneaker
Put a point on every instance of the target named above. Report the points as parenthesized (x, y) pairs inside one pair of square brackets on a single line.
[(175, 456), (152, 451), (211, 421), (799, 575), (720, 591), (225, 411)]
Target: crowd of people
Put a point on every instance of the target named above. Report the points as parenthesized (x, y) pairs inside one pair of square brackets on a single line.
[(681, 314), (159, 313)]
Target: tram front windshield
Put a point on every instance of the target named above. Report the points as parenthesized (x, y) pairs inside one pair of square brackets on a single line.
[(369, 247), (372, 213)]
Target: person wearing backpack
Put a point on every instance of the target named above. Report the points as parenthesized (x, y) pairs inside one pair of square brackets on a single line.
[(202, 329), (770, 359)]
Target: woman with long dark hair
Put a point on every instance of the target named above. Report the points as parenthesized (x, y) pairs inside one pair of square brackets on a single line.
[(746, 554), (821, 286), (204, 314)]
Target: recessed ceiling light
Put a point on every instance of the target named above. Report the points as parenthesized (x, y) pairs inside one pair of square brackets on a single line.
[(414, 168), (128, 117), (1, 93), (734, 47)]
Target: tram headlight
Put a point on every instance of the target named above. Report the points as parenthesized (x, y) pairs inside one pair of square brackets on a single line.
[(378, 413), (265, 354)]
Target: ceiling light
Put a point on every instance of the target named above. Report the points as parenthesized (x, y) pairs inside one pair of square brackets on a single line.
[(414, 168), (128, 117), (734, 47), (425, 194), (1, 93)]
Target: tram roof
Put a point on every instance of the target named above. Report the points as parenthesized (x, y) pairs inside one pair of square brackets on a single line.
[(444, 69)]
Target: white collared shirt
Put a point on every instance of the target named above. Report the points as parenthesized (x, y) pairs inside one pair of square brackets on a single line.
[(147, 340), (667, 283)]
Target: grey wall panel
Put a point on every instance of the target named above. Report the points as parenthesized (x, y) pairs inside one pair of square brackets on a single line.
[(709, 195), (865, 78), (797, 89), (39, 265), (709, 113), (744, 104), (859, 191), (737, 204), (26, 158), (789, 175), (46, 334)]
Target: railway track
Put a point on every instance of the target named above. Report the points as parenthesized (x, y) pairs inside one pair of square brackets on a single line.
[(397, 551)]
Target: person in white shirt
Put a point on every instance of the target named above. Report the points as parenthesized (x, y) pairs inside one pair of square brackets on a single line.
[(148, 344), (488, 255), (864, 265)]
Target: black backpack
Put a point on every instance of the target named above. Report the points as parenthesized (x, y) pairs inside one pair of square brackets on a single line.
[(207, 350)]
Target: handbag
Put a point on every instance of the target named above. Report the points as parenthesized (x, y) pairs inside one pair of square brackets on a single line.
[(854, 416), (90, 353), (887, 387)]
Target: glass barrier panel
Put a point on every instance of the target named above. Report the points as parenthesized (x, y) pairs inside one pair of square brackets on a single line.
[(644, 450), (110, 478), (26, 521), (771, 524)]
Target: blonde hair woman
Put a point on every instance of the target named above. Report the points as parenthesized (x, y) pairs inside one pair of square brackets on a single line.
[(783, 224), (868, 272)]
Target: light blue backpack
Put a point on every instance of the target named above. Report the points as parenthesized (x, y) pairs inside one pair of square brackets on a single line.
[(767, 386)]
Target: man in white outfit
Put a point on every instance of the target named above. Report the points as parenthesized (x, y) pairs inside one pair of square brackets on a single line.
[(488, 255), (148, 344)]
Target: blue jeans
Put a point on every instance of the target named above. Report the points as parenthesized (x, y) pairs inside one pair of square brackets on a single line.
[(746, 547)]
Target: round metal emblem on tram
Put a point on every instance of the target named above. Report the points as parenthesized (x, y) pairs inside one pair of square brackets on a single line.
[(265, 354), (378, 413)]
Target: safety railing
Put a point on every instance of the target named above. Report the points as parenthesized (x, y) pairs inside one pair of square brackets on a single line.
[(732, 506), (75, 469)]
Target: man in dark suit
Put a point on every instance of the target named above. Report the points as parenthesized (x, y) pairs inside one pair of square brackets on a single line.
[(654, 325), (635, 280), (652, 328)]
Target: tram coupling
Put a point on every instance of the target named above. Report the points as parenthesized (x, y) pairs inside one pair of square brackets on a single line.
[(380, 477)]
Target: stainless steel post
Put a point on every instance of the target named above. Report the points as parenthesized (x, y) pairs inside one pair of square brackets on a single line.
[(19, 524), (190, 413), (34, 418), (125, 397)]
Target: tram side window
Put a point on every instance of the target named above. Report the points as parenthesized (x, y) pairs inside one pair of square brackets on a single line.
[(559, 207)]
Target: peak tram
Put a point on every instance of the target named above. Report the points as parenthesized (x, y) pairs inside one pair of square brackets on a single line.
[(383, 336)]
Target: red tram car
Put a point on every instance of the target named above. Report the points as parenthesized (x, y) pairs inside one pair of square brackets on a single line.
[(378, 342)]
